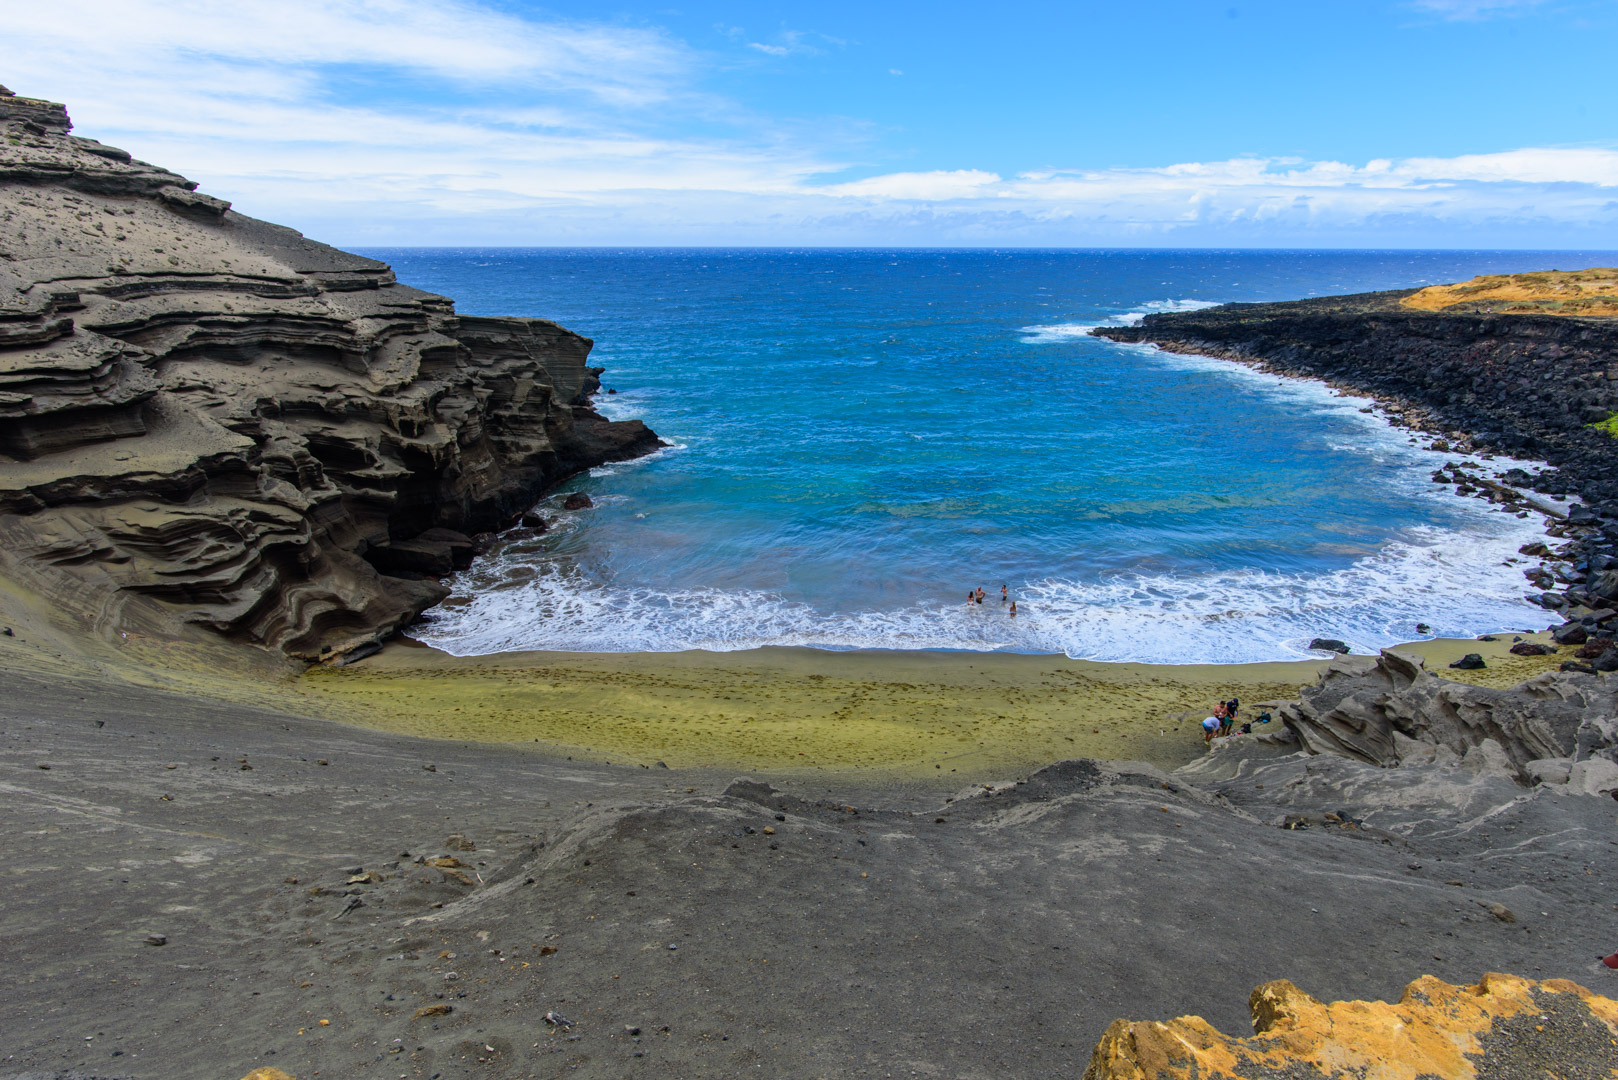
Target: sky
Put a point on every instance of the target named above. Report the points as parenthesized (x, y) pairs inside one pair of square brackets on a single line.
[(1312, 123)]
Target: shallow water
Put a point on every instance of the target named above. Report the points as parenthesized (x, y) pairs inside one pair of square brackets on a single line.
[(859, 437)]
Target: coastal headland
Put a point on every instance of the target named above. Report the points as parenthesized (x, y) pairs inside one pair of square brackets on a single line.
[(253, 827)]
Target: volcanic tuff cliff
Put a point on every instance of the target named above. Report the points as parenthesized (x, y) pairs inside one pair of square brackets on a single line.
[(207, 418)]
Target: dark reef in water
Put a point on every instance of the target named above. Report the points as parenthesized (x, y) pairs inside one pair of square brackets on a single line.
[(205, 418)]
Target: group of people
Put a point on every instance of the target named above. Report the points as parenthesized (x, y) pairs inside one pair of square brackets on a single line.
[(975, 596), (1223, 721)]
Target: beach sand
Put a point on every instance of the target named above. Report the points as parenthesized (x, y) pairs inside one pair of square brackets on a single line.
[(883, 715), (900, 714)]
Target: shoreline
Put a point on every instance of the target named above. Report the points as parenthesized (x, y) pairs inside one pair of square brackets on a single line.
[(901, 715)]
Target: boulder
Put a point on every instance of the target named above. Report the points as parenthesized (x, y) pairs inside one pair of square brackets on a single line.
[(1328, 645), (1604, 585), (577, 501), (1470, 662), (534, 520), (1533, 648), (1593, 648), (1497, 1027), (1570, 633)]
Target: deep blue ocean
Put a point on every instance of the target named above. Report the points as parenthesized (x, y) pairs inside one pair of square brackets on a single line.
[(860, 437)]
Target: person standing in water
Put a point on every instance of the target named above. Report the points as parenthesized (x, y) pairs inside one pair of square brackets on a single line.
[(980, 594), (1002, 594), (1013, 611)]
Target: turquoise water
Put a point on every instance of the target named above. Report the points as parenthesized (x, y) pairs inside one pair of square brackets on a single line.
[(860, 437)]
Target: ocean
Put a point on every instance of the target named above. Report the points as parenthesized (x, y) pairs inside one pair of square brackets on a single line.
[(858, 438)]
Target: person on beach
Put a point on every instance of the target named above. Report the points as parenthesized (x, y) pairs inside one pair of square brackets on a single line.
[(1210, 728), (1230, 715)]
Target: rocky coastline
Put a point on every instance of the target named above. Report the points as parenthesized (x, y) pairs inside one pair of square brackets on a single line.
[(1529, 386), (206, 419), (209, 421)]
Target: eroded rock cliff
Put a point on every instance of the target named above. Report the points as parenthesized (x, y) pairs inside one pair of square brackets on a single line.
[(206, 418)]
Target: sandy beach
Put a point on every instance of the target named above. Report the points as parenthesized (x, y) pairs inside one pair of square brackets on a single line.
[(885, 714)]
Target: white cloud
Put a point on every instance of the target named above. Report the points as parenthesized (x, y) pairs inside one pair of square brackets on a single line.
[(1474, 10), (795, 42), (422, 121), (277, 43), (926, 186)]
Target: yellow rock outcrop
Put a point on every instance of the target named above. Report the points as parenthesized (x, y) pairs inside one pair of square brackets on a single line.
[(1586, 293), (1527, 1028)]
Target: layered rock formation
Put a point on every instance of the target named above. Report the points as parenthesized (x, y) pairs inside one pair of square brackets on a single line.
[(212, 419), (1388, 710), (1504, 1026)]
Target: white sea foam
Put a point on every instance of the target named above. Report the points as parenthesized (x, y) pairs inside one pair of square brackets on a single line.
[(1458, 583), (1059, 332)]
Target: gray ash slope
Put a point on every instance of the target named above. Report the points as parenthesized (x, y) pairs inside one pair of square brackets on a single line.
[(208, 419), (1524, 385), (817, 929)]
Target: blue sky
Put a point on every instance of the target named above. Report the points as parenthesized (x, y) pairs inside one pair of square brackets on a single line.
[(1414, 123)]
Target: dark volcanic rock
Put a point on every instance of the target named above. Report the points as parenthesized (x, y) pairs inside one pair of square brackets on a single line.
[(210, 419), (1470, 662), (1328, 645), (1533, 648), (1570, 633)]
